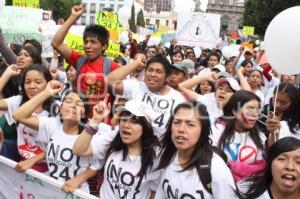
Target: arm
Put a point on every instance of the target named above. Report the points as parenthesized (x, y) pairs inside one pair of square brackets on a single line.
[(58, 39), (235, 61), (27, 164), (186, 86), (75, 182), (152, 195), (6, 52), (82, 146), (243, 82), (11, 71), (24, 113), (114, 78)]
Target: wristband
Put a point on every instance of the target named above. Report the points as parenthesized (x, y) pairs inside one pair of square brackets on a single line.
[(90, 130)]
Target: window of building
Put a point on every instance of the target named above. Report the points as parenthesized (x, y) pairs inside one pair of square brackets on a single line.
[(147, 21), (85, 7), (112, 6), (101, 6), (83, 20), (92, 20), (167, 22), (157, 23), (93, 8), (225, 23), (119, 7)]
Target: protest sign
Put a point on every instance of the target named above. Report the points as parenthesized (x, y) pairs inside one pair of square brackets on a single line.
[(32, 184), (48, 31), (144, 31), (198, 29), (109, 20), (248, 30), (27, 3), (113, 50), (19, 23)]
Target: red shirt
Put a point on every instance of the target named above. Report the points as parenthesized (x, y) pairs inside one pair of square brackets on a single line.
[(90, 81)]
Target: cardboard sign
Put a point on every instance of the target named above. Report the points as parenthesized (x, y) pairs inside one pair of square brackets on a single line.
[(248, 30), (113, 50), (198, 29), (27, 3), (109, 20)]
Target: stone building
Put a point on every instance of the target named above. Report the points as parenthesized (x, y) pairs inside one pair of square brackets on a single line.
[(231, 12)]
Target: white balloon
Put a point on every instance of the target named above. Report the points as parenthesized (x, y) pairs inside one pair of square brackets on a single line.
[(197, 51), (124, 14), (282, 44)]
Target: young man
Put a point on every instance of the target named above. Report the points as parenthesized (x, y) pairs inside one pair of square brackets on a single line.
[(90, 80), (179, 73), (159, 98)]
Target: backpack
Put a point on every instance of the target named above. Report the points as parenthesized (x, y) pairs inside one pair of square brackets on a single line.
[(106, 65), (204, 172)]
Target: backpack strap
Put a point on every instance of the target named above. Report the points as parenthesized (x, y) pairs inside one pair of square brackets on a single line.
[(106, 66), (79, 65), (205, 170)]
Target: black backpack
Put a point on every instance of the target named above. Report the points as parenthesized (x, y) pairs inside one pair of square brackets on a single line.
[(204, 172)]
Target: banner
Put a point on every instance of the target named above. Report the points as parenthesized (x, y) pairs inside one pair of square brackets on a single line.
[(198, 29), (109, 20), (113, 50), (19, 24), (48, 31), (248, 30), (27, 3), (32, 184)]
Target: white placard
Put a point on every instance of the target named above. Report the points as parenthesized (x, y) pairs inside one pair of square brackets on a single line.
[(198, 29)]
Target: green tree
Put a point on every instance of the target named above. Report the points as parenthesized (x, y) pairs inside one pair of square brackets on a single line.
[(60, 8), (132, 24), (8, 2), (259, 13), (140, 21)]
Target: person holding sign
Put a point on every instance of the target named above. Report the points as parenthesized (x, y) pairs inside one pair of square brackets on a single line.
[(91, 67)]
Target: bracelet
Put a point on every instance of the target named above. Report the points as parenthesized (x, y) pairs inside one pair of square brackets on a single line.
[(90, 130)]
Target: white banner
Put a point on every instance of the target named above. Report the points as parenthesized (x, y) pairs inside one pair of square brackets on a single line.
[(32, 184), (198, 29)]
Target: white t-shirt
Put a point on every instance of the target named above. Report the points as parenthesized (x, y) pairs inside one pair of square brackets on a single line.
[(209, 100), (62, 162), (120, 180), (160, 107), (285, 131), (28, 145), (242, 148), (261, 97), (187, 184), (265, 195)]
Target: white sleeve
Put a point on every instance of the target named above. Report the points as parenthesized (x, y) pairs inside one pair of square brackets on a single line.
[(12, 104), (203, 99), (130, 86), (101, 141), (216, 133), (47, 126), (62, 77), (96, 164), (222, 184)]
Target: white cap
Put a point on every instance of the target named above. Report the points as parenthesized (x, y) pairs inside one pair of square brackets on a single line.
[(137, 108), (234, 85), (220, 67)]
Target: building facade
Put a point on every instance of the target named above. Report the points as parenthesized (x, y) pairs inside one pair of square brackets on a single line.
[(231, 12), (93, 6)]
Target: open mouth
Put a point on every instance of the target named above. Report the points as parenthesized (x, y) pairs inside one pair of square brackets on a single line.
[(288, 180), (125, 133), (180, 139)]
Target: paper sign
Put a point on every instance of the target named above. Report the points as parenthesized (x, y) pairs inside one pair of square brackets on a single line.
[(75, 42), (27, 3), (32, 184), (248, 30), (198, 29), (19, 23), (113, 50), (144, 31), (109, 20), (234, 35)]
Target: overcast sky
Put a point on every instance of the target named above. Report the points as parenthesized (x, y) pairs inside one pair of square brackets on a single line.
[(187, 5)]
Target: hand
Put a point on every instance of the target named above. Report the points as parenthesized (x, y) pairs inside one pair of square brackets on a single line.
[(101, 110), (24, 165), (212, 77), (12, 70), (241, 70), (173, 41), (273, 124), (54, 87), (71, 185), (148, 37), (241, 49), (140, 61), (77, 10)]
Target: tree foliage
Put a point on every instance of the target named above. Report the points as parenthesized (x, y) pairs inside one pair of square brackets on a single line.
[(60, 8), (132, 24), (140, 21), (259, 13)]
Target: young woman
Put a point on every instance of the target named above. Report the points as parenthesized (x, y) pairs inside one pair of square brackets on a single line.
[(176, 57), (187, 158), (128, 154), (281, 178), (34, 80), (255, 81), (59, 134), (237, 135)]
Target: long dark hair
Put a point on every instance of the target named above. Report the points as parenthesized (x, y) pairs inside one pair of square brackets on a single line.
[(260, 184), (148, 141), (34, 53), (294, 116), (46, 73), (237, 100), (203, 151)]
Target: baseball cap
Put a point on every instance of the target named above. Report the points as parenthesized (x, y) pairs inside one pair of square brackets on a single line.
[(188, 64), (136, 108), (234, 85), (249, 51), (219, 67), (180, 66)]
